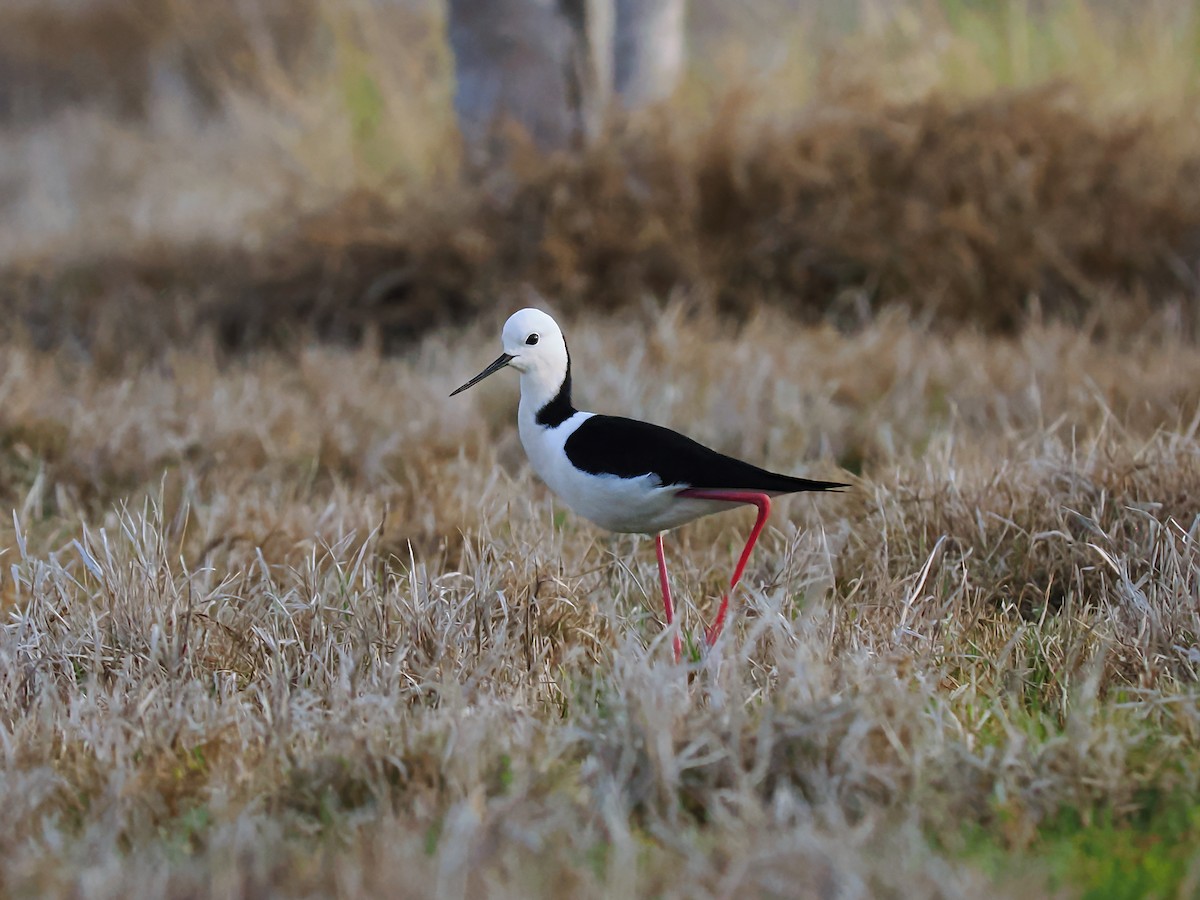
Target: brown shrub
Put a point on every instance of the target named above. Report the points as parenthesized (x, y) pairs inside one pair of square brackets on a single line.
[(976, 212)]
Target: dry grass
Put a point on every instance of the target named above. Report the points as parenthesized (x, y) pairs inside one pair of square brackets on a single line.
[(301, 622), (964, 164), (983, 212)]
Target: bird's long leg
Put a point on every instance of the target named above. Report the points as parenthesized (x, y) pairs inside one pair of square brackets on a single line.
[(763, 502), (668, 607)]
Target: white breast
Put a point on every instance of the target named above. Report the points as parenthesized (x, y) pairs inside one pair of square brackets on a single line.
[(632, 505)]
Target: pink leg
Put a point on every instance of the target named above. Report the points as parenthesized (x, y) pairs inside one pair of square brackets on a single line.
[(666, 590), (763, 502)]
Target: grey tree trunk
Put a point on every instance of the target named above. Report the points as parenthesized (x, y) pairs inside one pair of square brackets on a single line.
[(551, 66), (513, 59), (648, 50)]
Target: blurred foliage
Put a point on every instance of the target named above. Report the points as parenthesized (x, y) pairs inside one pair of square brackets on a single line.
[(1146, 850), (974, 162)]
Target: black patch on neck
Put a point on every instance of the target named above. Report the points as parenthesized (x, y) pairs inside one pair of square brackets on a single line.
[(559, 409)]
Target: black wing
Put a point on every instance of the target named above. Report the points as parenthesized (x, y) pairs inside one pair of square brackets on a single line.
[(627, 448)]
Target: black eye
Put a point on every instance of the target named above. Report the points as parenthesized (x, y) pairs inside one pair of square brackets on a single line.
[(532, 339)]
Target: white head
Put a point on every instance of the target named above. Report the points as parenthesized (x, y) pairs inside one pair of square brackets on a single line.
[(535, 347)]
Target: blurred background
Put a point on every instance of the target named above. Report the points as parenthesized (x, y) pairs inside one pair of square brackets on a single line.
[(259, 169)]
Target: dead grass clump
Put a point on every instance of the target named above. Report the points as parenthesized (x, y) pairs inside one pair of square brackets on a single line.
[(1033, 547), (969, 210), (116, 313), (317, 191), (1046, 541), (333, 637), (981, 212)]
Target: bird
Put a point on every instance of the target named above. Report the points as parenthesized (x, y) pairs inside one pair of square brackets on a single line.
[(625, 475)]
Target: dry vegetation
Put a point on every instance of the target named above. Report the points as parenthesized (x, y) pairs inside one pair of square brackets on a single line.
[(964, 164), (968, 210), (278, 616), (299, 621)]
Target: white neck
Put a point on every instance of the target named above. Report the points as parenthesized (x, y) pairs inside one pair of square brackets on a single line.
[(540, 387), (546, 390)]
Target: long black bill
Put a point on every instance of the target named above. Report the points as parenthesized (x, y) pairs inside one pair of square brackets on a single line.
[(501, 361)]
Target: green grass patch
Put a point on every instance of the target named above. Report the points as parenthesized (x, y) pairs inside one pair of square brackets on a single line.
[(1151, 851)]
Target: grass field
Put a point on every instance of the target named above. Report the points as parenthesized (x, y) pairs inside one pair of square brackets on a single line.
[(280, 617)]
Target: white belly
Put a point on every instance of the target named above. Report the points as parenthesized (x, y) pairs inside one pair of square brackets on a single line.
[(630, 505)]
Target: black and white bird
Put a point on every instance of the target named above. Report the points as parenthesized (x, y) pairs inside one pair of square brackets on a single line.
[(625, 475)]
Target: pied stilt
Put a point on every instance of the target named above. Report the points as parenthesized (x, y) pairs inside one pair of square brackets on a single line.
[(625, 475)]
